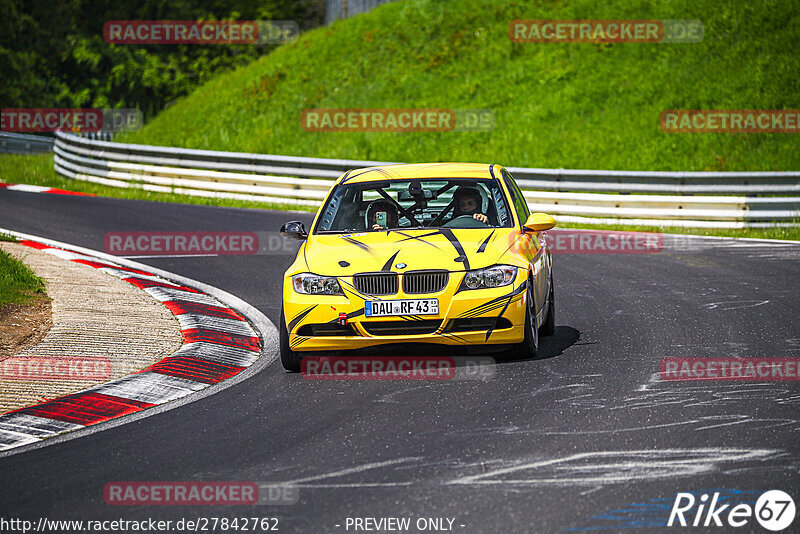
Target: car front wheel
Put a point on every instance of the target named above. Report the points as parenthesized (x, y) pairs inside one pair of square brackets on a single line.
[(548, 327), (529, 347), (289, 358)]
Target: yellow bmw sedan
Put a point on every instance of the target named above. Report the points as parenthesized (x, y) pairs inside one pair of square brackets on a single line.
[(443, 253)]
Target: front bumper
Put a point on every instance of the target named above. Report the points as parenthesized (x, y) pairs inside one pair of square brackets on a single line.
[(474, 317)]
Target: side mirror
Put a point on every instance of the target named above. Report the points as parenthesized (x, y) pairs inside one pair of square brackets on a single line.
[(294, 230), (538, 222)]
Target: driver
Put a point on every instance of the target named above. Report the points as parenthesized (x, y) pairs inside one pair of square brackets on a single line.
[(381, 214), (469, 202)]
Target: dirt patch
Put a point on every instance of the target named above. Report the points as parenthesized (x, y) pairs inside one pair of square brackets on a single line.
[(24, 325)]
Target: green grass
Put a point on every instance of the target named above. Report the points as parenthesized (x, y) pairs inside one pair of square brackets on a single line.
[(557, 105), (38, 170), (18, 283), (578, 105)]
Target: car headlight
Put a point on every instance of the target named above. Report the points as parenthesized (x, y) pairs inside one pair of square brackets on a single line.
[(312, 284), (496, 276)]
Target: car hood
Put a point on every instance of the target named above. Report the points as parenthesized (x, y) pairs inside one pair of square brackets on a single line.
[(443, 248)]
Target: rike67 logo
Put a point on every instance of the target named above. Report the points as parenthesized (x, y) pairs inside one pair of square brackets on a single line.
[(774, 510)]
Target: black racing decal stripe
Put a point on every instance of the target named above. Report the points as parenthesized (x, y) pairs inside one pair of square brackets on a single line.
[(488, 309), (454, 336), (350, 315), (448, 233), (411, 318), (434, 232), (388, 265), (485, 242), (359, 244), (503, 311), (380, 170), (350, 287), (481, 311), (299, 318), (389, 174), (496, 321), (296, 342), (522, 287), (442, 330), (477, 309), (305, 258), (461, 286), (347, 177), (420, 238), (485, 308)]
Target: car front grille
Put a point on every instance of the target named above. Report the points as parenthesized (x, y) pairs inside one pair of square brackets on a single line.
[(401, 328), (419, 282), (376, 283)]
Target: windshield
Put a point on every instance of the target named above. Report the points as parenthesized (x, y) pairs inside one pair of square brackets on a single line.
[(428, 203)]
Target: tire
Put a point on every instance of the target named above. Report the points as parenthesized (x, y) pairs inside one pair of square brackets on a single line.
[(548, 328), (529, 347), (289, 358)]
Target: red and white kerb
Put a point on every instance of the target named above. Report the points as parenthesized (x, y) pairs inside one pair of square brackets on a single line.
[(217, 344)]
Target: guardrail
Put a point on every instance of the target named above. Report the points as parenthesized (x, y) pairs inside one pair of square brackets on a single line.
[(696, 199), (342, 9), (14, 143)]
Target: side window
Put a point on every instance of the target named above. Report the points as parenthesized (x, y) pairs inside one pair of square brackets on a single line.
[(498, 204), (520, 205), (331, 213)]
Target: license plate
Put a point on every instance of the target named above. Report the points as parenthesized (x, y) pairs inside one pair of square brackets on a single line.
[(382, 308)]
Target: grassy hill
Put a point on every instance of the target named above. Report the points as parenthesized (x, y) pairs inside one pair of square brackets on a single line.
[(581, 105)]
